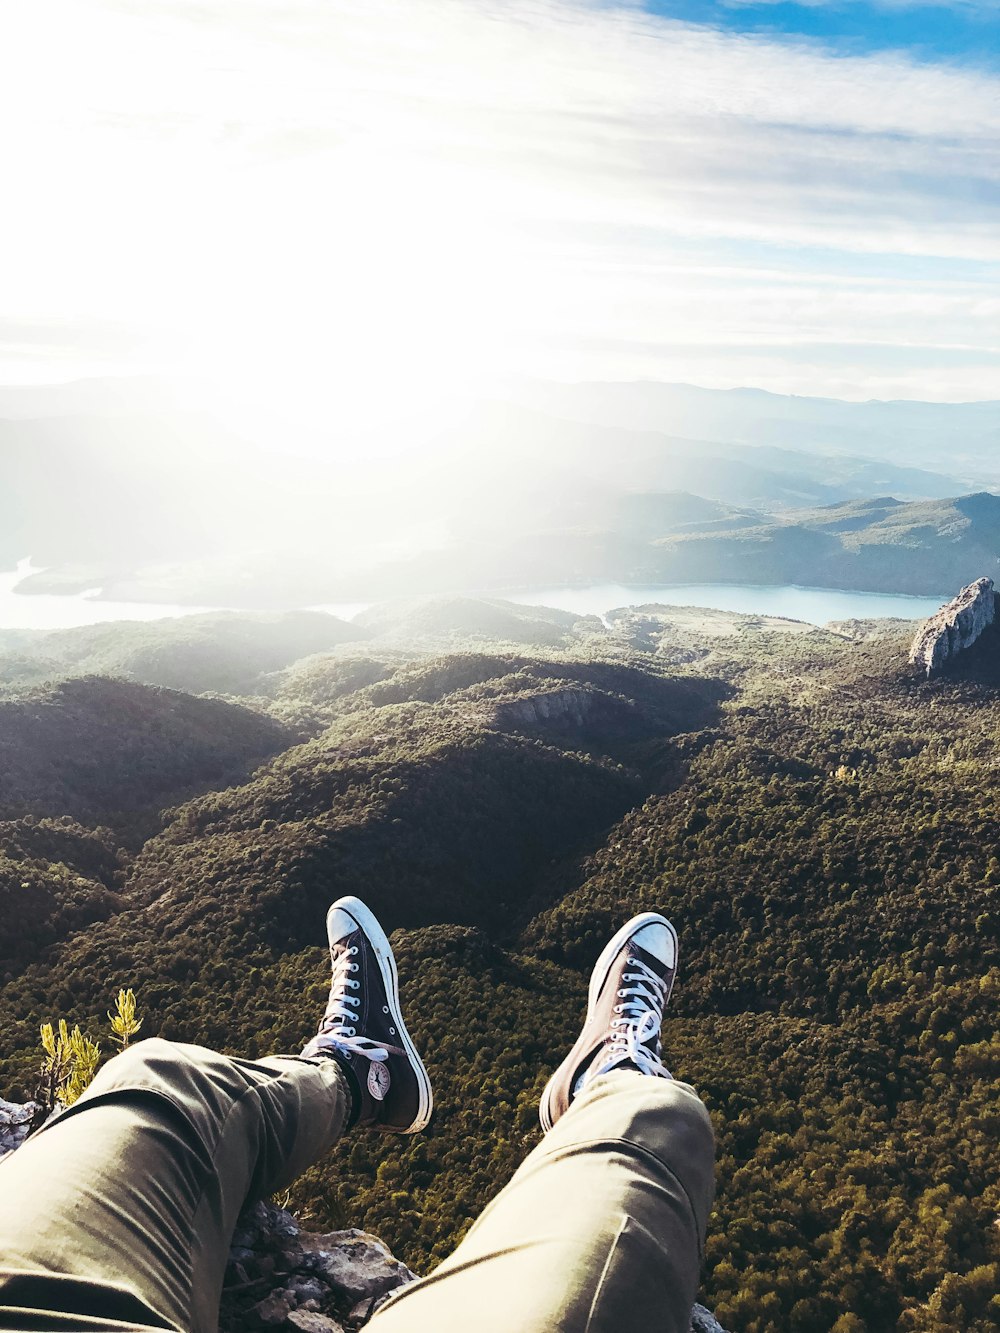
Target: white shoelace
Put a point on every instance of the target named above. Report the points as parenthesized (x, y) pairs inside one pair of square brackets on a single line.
[(337, 1029), (638, 1015)]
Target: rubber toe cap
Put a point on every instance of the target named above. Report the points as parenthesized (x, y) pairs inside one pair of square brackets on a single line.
[(659, 941)]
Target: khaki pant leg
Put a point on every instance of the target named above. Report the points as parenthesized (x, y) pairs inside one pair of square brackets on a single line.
[(601, 1228), (122, 1209)]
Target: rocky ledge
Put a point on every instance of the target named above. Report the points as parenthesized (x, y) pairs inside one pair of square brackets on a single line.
[(281, 1277), (955, 627)]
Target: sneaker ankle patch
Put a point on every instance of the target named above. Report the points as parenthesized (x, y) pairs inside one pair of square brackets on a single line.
[(378, 1080)]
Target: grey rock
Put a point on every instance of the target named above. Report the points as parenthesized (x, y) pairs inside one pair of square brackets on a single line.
[(363, 1311), (310, 1322), (704, 1321), (273, 1310), (307, 1289), (15, 1122), (954, 628), (358, 1266)]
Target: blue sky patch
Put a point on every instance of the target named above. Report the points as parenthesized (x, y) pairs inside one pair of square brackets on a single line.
[(965, 34)]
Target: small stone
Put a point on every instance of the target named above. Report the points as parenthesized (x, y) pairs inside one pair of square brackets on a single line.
[(356, 1264), (274, 1309), (308, 1321), (364, 1310), (307, 1289)]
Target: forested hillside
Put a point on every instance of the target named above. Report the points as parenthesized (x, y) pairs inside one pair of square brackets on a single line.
[(111, 752), (819, 824)]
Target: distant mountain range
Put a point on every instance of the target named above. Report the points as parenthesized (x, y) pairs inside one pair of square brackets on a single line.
[(115, 486), (905, 432)]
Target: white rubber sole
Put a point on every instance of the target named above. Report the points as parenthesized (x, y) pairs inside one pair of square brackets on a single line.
[(598, 977), (382, 949)]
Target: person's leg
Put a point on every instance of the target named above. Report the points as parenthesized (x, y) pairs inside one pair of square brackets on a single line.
[(119, 1213), (123, 1209), (602, 1226), (599, 1230)]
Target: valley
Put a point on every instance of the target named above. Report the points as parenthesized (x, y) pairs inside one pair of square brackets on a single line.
[(815, 818)]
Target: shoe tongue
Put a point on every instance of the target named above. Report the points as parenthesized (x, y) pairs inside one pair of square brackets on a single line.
[(342, 945)]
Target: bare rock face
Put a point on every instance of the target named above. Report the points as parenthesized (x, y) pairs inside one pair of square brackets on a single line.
[(955, 627), (704, 1321), (282, 1278), (569, 705), (568, 708), (15, 1122)]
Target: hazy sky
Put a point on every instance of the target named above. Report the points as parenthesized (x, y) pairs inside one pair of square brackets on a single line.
[(391, 196)]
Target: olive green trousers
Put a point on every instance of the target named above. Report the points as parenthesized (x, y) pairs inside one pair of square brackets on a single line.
[(118, 1215)]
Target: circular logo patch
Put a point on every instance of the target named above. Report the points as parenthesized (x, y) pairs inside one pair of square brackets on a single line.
[(378, 1080)]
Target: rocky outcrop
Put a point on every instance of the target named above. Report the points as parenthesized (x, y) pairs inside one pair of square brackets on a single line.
[(564, 708), (280, 1277), (704, 1321), (15, 1124), (955, 627), (569, 705)]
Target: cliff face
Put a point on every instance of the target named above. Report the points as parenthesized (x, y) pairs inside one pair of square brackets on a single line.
[(573, 706), (955, 627)]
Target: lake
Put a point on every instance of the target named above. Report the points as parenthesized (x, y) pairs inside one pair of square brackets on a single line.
[(816, 605), (49, 611)]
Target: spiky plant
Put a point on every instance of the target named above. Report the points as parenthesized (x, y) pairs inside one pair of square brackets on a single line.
[(70, 1063), (124, 1024)]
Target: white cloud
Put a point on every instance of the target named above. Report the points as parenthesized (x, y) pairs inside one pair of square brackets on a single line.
[(378, 191)]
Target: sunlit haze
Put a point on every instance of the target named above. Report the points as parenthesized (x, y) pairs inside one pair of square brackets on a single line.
[(323, 302)]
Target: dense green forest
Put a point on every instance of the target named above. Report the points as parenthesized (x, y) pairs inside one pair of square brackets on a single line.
[(820, 825)]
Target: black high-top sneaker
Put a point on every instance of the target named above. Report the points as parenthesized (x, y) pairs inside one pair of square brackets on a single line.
[(629, 989), (363, 1027)]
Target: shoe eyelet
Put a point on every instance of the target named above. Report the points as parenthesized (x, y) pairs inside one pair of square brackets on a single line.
[(621, 992), (354, 985), (353, 949), (353, 967), (392, 1032), (350, 1031), (385, 1009)]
